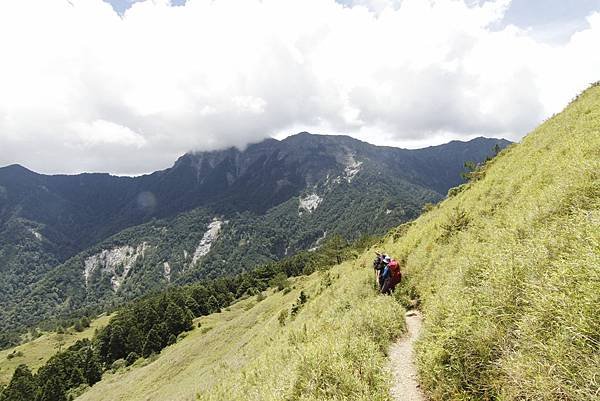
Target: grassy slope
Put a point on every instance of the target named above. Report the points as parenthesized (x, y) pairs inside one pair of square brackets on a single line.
[(333, 349), (38, 351), (512, 299)]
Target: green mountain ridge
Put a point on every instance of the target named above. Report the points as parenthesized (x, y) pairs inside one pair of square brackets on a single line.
[(274, 199)]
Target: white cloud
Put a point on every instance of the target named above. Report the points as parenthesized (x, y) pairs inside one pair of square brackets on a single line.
[(83, 88), (104, 132)]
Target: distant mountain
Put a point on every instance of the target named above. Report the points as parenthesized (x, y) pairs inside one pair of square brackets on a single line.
[(68, 242)]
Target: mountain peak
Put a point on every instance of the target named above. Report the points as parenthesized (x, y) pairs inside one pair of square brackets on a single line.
[(17, 170)]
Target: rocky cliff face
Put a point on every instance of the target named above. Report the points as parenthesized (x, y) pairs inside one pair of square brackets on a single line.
[(116, 262)]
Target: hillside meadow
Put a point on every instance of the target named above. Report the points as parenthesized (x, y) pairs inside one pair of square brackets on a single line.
[(508, 270), (36, 352), (331, 346)]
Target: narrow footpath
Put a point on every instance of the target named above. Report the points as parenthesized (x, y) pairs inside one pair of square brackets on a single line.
[(406, 386)]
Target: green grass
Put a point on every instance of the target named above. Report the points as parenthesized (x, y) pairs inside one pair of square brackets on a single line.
[(333, 348), (36, 352), (508, 271)]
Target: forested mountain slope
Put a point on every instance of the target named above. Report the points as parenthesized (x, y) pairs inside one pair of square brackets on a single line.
[(212, 213), (73, 212)]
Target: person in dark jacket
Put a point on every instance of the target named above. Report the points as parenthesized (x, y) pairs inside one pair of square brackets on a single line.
[(385, 272), (378, 265)]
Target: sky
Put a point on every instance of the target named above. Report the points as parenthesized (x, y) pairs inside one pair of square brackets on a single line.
[(126, 87)]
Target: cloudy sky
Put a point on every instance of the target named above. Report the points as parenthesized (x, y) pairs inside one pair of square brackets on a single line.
[(127, 86)]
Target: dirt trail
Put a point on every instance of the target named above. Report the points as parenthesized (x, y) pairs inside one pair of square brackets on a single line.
[(406, 386)]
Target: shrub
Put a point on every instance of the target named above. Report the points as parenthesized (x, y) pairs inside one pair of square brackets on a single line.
[(457, 221), (280, 282), (118, 365), (14, 354), (283, 315), (171, 340), (131, 358)]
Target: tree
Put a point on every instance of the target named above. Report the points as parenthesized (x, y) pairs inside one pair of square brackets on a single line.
[(78, 327), (470, 168), (131, 358), (116, 344), (60, 342), (176, 319), (22, 386), (52, 390), (212, 305), (302, 299), (134, 341), (280, 281), (92, 369), (172, 339), (153, 342)]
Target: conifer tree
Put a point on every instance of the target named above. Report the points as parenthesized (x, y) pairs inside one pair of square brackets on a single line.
[(212, 304), (116, 344), (52, 389), (92, 370), (22, 386), (153, 342), (176, 319), (134, 341)]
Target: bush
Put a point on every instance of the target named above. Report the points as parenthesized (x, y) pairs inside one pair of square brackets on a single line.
[(118, 365), (302, 299), (131, 358), (280, 282), (457, 221), (171, 340), (14, 354), (283, 315)]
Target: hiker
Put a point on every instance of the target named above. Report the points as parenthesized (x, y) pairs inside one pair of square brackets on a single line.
[(384, 272), (390, 276), (378, 266)]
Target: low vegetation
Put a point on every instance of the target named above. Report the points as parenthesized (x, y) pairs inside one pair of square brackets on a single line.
[(332, 347), (41, 346)]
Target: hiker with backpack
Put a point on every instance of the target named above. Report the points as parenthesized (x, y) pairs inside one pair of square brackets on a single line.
[(378, 266), (390, 276)]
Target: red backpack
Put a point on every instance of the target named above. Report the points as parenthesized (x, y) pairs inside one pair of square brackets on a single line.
[(395, 273)]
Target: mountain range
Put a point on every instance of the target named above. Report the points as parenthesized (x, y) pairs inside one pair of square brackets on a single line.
[(70, 242)]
